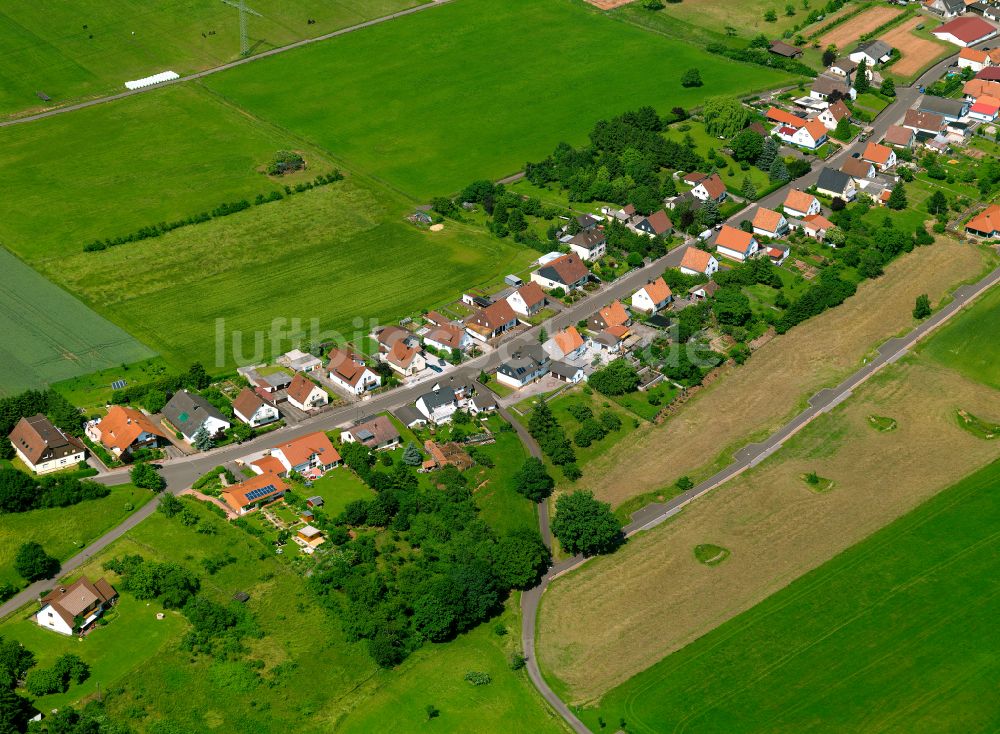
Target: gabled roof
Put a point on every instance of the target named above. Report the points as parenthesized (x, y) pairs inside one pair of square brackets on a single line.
[(944, 106), (40, 441), (494, 316), (976, 55), (990, 73), (73, 600), (347, 365), (532, 294), (898, 135), (259, 488), (875, 48), (979, 87), (614, 314), (785, 118), (437, 398), (816, 129), (695, 259), (876, 153), (661, 223), (301, 388), (767, 219), (831, 179), (299, 450), (402, 355), (187, 412), (839, 110), (248, 402), (566, 270), (818, 222), (389, 335), (436, 318), (826, 84), (985, 106), (734, 239), (967, 28), (657, 290), (919, 120), (562, 369), (798, 200), (713, 185), (784, 49), (123, 425), (857, 168), (379, 430), (568, 340), (846, 64), (987, 221), (694, 178), (588, 239), (448, 334)]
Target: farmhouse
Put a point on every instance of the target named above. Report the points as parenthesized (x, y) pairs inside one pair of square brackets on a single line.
[(377, 434), (834, 114), (652, 297), (614, 314), (872, 52), (769, 223), (189, 413), (528, 299), (43, 447), (836, 184), (976, 59), (710, 187), (526, 365), (657, 224), (125, 429), (698, 262), (254, 493), (589, 244), (736, 244), (986, 223), (566, 344), (446, 337), (800, 204), (348, 370), (567, 272), (305, 394), (438, 405), (899, 137), (74, 608), (491, 321), (967, 30), (882, 157), (253, 410)]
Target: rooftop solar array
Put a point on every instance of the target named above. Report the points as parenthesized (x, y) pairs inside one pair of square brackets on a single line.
[(256, 494)]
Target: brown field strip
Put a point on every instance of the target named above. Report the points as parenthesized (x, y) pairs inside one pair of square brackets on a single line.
[(849, 31), (618, 615), (762, 394), (608, 4), (916, 52)]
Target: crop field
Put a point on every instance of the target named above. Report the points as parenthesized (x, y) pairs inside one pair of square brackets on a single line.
[(48, 335), (91, 47), (917, 51), (971, 342), (621, 614), (851, 30), (760, 395), (896, 633), (440, 109), (745, 17)]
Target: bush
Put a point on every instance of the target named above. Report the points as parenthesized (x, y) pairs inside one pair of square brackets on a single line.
[(477, 678), (619, 377)]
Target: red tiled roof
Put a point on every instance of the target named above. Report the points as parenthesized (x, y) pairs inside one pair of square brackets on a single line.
[(695, 259), (531, 293), (767, 219), (800, 201), (657, 290), (987, 221), (734, 239), (301, 388), (876, 153), (786, 118), (123, 425), (298, 451), (236, 495), (614, 314), (568, 340), (714, 186)]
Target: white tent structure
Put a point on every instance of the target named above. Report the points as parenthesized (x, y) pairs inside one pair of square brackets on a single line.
[(148, 81)]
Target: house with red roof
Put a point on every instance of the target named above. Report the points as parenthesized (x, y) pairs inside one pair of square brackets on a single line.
[(491, 321), (799, 204), (966, 30), (985, 109), (811, 135), (614, 314), (881, 156), (305, 394), (736, 244), (977, 59), (658, 224), (251, 408), (254, 493), (73, 608), (528, 300), (834, 114), (310, 455), (698, 262), (125, 429), (567, 272), (566, 344), (710, 187), (347, 369), (405, 359), (769, 223), (652, 297), (986, 223)]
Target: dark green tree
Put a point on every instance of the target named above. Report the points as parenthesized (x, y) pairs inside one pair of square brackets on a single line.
[(922, 308), (32, 563), (937, 203), (533, 481), (897, 198), (691, 78), (411, 455), (202, 440), (768, 154), (778, 170), (586, 525), (145, 476), (520, 559), (888, 87), (748, 190), (862, 84)]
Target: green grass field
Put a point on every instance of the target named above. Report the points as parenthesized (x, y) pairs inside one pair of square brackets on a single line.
[(439, 109), (63, 531), (895, 634), (339, 488), (49, 335), (499, 504), (970, 343), (91, 47)]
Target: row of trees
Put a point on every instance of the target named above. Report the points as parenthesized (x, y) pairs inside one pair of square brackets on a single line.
[(20, 492), (545, 428)]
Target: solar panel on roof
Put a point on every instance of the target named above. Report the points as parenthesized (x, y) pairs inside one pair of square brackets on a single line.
[(255, 494), (118, 384)]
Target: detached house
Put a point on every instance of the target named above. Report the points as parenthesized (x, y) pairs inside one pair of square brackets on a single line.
[(189, 413), (858, 169), (698, 262), (816, 226), (72, 609), (125, 429), (872, 52), (977, 60), (305, 394), (899, 137), (528, 300), (799, 204), (769, 223), (736, 244), (491, 321), (254, 493), (589, 244), (950, 109), (828, 85), (567, 272), (311, 455), (526, 365), (388, 336), (881, 156), (945, 8), (844, 67), (985, 109), (833, 115), (253, 410), (711, 187), (347, 370), (439, 405), (405, 359), (985, 224), (377, 434), (657, 224), (836, 184), (614, 314), (652, 297), (566, 344), (43, 447), (446, 337), (928, 123)]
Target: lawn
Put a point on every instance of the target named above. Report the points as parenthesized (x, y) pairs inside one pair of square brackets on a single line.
[(708, 20), (731, 174), (597, 403), (437, 112), (896, 633), (90, 47), (639, 402), (49, 335), (970, 343), (63, 531), (338, 488), (91, 392), (499, 504)]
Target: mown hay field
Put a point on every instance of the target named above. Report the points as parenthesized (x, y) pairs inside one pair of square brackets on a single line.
[(966, 346)]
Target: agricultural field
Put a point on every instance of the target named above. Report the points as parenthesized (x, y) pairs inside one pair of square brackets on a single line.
[(774, 523), (849, 31), (964, 345), (716, 16), (49, 335), (918, 48), (82, 49), (414, 120), (895, 633), (750, 401)]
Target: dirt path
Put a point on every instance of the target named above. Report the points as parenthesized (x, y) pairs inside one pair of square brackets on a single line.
[(760, 396), (848, 32)]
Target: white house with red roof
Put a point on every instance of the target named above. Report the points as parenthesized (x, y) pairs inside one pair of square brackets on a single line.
[(799, 204), (311, 455), (528, 300), (711, 187), (834, 114), (769, 223), (736, 244), (652, 297), (978, 59), (811, 135), (347, 369), (985, 109), (405, 359), (881, 156), (698, 262), (305, 394)]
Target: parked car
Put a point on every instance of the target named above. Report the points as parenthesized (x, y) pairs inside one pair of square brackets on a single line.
[(435, 368)]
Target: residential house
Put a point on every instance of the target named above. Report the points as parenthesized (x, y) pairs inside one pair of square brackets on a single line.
[(254, 493), (527, 364), (836, 184), (769, 223), (975, 89), (567, 272), (985, 109), (652, 297), (612, 339), (43, 447), (305, 394), (816, 226), (657, 224), (703, 291), (622, 215), (827, 86), (811, 135), (858, 169), (872, 52), (404, 359), (311, 455), (436, 319), (967, 30), (698, 262), (124, 430), (986, 223), (189, 412), (945, 8), (927, 123), (388, 336), (377, 434), (586, 222), (253, 410), (614, 314), (777, 252), (567, 372), (438, 405), (446, 337), (800, 204), (736, 244), (834, 114), (300, 361), (482, 403), (881, 156), (784, 118), (491, 321), (410, 417), (843, 68), (899, 137), (989, 74), (780, 48), (589, 244), (710, 187), (977, 59), (566, 344), (347, 370), (73, 608), (949, 109), (528, 299)]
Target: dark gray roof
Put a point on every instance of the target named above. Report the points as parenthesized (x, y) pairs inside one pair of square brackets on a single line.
[(942, 106), (875, 48), (831, 179), (187, 412), (589, 240), (528, 359), (847, 64), (437, 398), (585, 221), (563, 370), (826, 84), (484, 401)]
